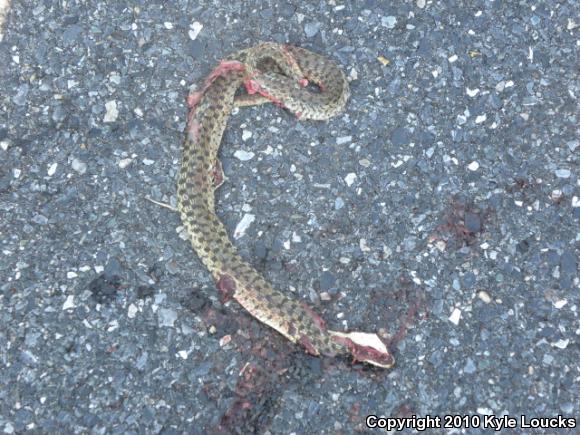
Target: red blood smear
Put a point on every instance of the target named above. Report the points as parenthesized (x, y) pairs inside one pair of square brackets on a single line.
[(305, 341), (226, 286), (319, 321)]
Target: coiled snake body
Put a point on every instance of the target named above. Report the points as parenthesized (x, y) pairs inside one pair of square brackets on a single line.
[(270, 73)]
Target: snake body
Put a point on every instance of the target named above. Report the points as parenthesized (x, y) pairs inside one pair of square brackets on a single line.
[(270, 73)]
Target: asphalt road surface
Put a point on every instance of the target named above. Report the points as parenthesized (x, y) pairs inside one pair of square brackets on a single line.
[(440, 210)]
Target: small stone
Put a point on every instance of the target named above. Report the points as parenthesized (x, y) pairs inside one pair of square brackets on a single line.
[(556, 195), (338, 203), (59, 114), (455, 316), (51, 169), (244, 155), (225, 340), (148, 162), (168, 25), (69, 302), (343, 139), (559, 304), (124, 163), (472, 92), (561, 344), (132, 311), (21, 95), (563, 173), (484, 296), (111, 111), (353, 74), (452, 58), (243, 225), (469, 367), (195, 28), (115, 78), (389, 22), (166, 317), (79, 166), (350, 178), (473, 166), (383, 60), (246, 134), (480, 118), (311, 29), (421, 4), (364, 247)]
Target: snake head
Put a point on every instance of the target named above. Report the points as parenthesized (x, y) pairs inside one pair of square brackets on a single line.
[(365, 347)]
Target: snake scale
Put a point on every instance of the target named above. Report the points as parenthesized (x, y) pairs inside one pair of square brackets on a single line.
[(275, 73)]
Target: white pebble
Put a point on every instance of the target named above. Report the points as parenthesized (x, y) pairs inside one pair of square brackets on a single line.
[(350, 178), (472, 92), (473, 166), (244, 155), (124, 163), (246, 134), (455, 316), (195, 27), (480, 118), (561, 344), (132, 311), (51, 169), (168, 25), (79, 166), (353, 74), (485, 411), (452, 58), (559, 304), (389, 22), (243, 225), (484, 296), (71, 275), (362, 243), (343, 139), (112, 112), (148, 162), (69, 303)]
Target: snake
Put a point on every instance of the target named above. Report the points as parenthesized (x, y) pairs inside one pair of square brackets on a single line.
[(310, 86)]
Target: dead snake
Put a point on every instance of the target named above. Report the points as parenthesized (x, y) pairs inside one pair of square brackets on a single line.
[(270, 73)]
